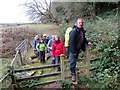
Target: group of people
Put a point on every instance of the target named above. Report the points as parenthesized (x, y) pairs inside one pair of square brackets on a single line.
[(75, 41), (54, 46)]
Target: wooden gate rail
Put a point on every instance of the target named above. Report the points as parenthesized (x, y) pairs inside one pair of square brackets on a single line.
[(81, 59), (40, 76), (62, 64), (35, 77), (48, 82), (36, 68)]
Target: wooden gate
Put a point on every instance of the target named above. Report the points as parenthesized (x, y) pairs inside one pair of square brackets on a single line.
[(64, 70), (82, 69), (7, 80), (64, 74)]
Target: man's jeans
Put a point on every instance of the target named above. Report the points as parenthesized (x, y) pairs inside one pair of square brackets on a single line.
[(72, 63)]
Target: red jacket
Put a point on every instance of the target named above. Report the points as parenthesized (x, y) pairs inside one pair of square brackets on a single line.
[(58, 49)]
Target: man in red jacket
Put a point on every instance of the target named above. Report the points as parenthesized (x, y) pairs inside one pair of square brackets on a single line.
[(57, 50)]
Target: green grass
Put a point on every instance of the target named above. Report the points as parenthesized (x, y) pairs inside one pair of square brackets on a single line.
[(4, 62), (38, 28)]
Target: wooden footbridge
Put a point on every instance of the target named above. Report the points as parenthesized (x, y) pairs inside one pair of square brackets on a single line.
[(11, 81)]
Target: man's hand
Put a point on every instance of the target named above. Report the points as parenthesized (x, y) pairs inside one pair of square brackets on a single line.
[(89, 43), (75, 54)]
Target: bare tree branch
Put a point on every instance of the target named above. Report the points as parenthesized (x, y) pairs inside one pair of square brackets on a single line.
[(39, 9)]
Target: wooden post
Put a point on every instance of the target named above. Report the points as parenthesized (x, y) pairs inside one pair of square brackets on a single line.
[(14, 83), (21, 58), (26, 45), (62, 58), (87, 59)]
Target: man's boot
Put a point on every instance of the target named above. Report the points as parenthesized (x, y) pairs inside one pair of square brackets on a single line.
[(73, 78)]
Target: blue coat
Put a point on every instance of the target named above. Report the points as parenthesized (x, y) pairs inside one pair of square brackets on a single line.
[(35, 42)]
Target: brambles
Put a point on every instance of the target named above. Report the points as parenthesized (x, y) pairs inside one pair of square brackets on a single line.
[(84, 80), (103, 32), (104, 35)]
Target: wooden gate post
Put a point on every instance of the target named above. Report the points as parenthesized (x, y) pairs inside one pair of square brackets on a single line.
[(87, 59), (62, 58), (14, 83), (21, 60)]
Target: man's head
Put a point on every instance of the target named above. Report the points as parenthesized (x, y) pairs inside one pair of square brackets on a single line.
[(79, 23)]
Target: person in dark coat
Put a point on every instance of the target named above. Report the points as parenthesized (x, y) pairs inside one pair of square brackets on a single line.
[(35, 42), (77, 42)]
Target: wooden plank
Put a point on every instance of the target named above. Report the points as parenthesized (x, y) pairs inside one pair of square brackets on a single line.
[(87, 59), (41, 76), (47, 82), (78, 68), (36, 68), (78, 60)]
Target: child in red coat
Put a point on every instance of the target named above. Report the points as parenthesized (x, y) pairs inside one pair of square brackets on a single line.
[(57, 50)]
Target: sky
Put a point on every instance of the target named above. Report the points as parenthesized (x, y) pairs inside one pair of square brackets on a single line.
[(11, 11)]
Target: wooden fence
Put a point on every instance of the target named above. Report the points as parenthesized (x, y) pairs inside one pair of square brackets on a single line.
[(65, 72), (7, 80), (80, 70), (39, 76)]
